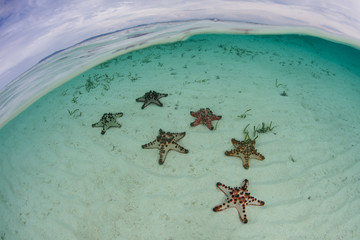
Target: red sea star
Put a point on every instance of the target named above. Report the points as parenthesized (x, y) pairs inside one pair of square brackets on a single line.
[(237, 198), (204, 116), (165, 142), (244, 150)]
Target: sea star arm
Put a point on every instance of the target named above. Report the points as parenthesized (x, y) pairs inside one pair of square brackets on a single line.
[(178, 136), (109, 125), (105, 128), (176, 147), (150, 145), (241, 210), (155, 101), (214, 117), (253, 201), (149, 101), (245, 158), (101, 124), (171, 146), (144, 100), (225, 189), (225, 205), (112, 124), (141, 99), (146, 103), (234, 153), (117, 115), (98, 124), (161, 95), (196, 122), (257, 156), (209, 125), (195, 114), (236, 143), (244, 185), (163, 153), (240, 207)]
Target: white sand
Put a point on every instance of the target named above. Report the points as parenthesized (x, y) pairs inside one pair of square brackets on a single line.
[(61, 179)]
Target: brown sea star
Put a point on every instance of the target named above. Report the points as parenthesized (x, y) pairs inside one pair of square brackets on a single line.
[(107, 121), (165, 142), (204, 116), (244, 150), (237, 198), (151, 97)]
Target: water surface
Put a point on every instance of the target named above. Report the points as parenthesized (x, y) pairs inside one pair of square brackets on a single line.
[(62, 179)]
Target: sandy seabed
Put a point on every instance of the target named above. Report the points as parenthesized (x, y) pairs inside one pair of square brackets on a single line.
[(61, 179)]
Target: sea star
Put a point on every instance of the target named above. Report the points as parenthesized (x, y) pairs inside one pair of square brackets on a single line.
[(237, 198), (244, 150), (204, 116), (151, 97), (165, 142), (107, 121)]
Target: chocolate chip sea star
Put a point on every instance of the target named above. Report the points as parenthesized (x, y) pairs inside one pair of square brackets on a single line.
[(237, 198)]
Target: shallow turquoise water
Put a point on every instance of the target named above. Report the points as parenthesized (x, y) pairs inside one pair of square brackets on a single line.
[(60, 175)]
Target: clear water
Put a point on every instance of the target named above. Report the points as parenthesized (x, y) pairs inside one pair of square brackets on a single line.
[(62, 179)]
